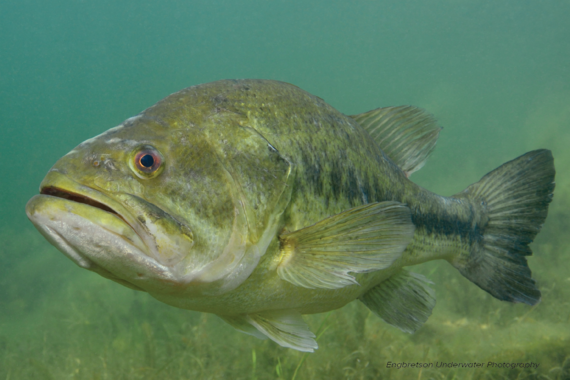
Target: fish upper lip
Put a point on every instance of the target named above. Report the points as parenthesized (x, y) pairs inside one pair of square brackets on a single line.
[(58, 192), (59, 185), (76, 197)]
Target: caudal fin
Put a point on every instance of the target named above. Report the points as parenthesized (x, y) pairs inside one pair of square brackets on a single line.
[(514, 198)]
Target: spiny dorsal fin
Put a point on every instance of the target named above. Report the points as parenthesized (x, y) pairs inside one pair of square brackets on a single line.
[(405, 300), (284, 327), (406, 134), (362, 239)]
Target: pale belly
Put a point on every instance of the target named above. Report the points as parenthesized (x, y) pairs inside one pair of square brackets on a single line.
[(265, 291)]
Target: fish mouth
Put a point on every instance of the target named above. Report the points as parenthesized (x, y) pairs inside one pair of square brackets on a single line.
[(79, 198), (57, 185), (61, 193), (68, 195), (95, 231)]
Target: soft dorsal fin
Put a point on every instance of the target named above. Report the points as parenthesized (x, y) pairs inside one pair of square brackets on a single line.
[(362, 239), (406, 134)]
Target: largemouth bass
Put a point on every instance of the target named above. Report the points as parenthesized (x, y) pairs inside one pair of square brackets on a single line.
[(259, 202)]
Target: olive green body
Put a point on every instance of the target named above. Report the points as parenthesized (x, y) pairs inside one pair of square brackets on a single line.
[(334, 165), (259, 202)]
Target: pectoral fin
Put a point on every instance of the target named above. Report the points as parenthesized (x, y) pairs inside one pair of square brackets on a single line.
[(405, 300), (363, 239), (285, 328)]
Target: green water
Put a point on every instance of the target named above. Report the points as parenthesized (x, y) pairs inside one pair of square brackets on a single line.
[(495, 74)]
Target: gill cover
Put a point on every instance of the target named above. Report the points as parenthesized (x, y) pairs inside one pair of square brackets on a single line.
[(262, 190)]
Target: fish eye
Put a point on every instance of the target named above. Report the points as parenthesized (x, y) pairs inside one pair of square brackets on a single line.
[(146, 162)]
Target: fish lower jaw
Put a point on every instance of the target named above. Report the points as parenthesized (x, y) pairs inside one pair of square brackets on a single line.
[(97, 244)]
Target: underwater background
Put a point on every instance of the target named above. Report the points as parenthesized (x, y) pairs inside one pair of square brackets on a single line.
[(496, 75)]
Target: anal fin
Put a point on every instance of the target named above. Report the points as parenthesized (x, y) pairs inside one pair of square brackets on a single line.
[(286, 328), (363, 239), (405, 300)]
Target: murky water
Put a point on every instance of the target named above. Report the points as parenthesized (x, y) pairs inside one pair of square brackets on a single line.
[(495, 74)]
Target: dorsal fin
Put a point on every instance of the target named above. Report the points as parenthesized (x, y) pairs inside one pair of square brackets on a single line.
[(406, 134)]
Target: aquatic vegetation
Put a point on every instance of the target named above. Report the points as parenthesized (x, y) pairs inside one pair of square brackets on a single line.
[(494, 74), (71, 324), (60, 322)]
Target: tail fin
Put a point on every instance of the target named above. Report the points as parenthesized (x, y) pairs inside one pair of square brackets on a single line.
[(515, 197)]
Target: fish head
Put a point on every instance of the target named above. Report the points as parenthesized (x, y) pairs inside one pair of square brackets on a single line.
[(165, 204)]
